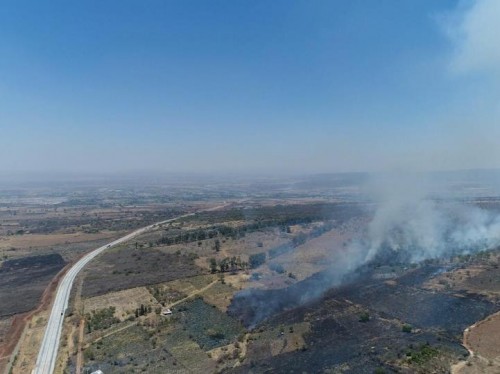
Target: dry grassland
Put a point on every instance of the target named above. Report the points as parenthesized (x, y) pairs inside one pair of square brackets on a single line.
[(30, 344), (190, 285), (125, 302), (4, 327), (316, 254), (32, 244), (219, 295), (483, 339)]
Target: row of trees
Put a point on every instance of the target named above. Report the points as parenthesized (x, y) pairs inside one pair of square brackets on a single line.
[(217, 231), (260, 258), (234, 263), (231, 264), (143, 310)]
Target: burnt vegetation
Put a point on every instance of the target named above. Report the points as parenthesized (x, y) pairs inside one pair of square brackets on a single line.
[(355, 325), (23, 280), (129, 267)]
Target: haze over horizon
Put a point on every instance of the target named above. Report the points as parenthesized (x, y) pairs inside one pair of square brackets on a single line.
[(252, 86)]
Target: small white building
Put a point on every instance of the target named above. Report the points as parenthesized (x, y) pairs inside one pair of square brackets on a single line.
[(166, 312), (97, 372)]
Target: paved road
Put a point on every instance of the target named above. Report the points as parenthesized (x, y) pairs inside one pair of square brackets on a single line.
[(47, 356)]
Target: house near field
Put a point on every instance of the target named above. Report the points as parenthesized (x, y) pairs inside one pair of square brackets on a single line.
[(166, 312)]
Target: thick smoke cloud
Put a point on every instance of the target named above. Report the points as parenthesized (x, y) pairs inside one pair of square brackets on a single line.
[(413, 219), (415, 225)]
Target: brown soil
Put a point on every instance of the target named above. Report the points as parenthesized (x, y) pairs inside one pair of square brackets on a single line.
[(483, 338), (79, 354)]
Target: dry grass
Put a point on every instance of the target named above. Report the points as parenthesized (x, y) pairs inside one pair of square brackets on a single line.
[(316, 254), (30, 344), (255, 242), (68, 345), (278, 340), (475, 365), (483, 338), (455, 279), (219, 295), (478, 278), (125, 302), (291, 340), (239, 280), (189, 285), (69, 246), (47, 240), (4, 327)]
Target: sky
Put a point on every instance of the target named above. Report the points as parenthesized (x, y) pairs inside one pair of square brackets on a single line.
[(254, 86)]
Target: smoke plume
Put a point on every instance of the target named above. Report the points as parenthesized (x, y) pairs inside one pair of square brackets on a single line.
[(414, 224)]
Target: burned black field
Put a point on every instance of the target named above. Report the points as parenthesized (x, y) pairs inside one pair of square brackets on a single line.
[(22, 281), (364, 325), (129, 268)]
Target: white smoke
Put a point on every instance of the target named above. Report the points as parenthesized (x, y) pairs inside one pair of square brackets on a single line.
[(416, 226)]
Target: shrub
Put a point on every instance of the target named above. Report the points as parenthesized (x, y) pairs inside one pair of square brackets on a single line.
[(257, 259), (406, 328), (364, 317)]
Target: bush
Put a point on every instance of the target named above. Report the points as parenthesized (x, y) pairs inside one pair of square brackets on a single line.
[(423, 354), (101, 319), (406, 328), (215, 334), (257, 259), (278, 268), (364, 317)]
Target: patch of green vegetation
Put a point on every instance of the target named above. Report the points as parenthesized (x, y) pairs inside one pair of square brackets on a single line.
[(208, 326), (165, 294), (364, 317), (422, 355), (257, 259), (101, 319), (231, 264), (406, 328)]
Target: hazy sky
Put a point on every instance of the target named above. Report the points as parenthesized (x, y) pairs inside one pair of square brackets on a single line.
[(257, 85)]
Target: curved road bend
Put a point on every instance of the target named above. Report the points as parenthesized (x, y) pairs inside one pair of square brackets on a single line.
[(47, 356)]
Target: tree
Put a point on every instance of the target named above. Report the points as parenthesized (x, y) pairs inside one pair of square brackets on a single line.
[(257, 259), (223, 265), (217, 245), (232, 263), (213, 265)]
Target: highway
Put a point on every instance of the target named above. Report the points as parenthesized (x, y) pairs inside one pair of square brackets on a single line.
[(47, 356)]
